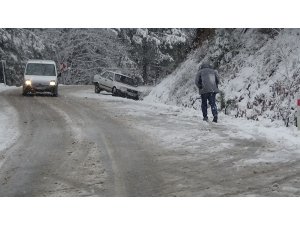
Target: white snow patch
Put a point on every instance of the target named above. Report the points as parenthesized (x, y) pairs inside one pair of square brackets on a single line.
[(173, 39), (283, 142), (137, 39), (142, 32), (9, 131), (285, 137), (14, 57)]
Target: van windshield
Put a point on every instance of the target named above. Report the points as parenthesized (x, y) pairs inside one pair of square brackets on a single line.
[(40, 69)]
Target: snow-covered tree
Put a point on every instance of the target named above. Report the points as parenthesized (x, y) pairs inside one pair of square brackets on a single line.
[(16, 47), (148, 54), (85, 51), (157, 51)]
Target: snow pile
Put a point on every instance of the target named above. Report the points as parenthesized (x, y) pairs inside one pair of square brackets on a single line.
[(8, 121), (259, 72)]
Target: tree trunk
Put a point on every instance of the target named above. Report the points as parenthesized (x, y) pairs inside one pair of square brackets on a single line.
[(145, 74)]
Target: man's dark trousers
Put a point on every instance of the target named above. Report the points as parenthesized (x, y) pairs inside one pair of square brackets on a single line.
[(211, 98)]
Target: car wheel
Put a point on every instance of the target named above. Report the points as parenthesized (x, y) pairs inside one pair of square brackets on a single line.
[(24, 93), (114, 91), (97, 88), (55, 92)]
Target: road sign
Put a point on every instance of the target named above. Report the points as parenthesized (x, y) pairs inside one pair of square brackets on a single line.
[(63, 67)]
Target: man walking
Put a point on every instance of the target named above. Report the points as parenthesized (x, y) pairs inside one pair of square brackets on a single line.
[(207, 81)]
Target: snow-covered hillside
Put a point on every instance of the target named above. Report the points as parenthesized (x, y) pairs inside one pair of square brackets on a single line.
[(259, 71)]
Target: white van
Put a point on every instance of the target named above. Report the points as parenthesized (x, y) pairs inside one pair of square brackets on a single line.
[(40, 76)]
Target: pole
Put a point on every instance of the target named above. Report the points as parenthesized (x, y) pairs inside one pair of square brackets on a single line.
[(298, 112), (3, 71)]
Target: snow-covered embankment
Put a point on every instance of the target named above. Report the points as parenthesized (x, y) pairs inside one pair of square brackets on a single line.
[(9, 131), (178, 89)]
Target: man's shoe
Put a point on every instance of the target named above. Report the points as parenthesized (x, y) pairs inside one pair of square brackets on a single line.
[(215, 120), (205, 119)]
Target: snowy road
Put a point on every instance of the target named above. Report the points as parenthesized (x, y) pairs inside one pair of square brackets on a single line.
[(86, 144), (73, 147)]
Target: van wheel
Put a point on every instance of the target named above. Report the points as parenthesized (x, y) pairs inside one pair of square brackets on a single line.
[(114, 91), (24, 93), (97, 88), (55, 92)]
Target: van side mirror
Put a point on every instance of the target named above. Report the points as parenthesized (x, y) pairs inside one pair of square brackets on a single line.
[(59, 74)]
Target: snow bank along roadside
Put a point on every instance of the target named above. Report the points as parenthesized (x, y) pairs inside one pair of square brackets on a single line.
[(258, 73), (9, 131), (167, 93), (182, 129), (283, 142)]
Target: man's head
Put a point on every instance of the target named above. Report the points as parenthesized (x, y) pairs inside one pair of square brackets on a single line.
[(205, 65)]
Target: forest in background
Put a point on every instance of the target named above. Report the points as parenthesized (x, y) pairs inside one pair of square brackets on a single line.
[(146, 54)]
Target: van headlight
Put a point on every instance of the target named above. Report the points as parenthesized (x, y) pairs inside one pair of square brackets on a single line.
[(28, 82), (52, 83)]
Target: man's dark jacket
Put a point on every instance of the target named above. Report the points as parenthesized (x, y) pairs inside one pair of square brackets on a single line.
[(207, 79)]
